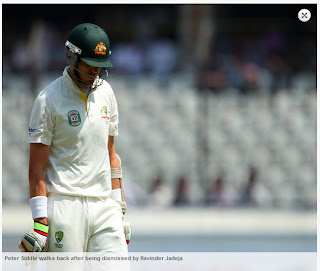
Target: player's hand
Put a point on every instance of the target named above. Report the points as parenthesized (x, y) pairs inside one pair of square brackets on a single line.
[(127, 231), (35, 240), (126, 224)]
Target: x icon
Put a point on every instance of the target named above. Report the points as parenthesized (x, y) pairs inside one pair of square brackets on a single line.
[(304, 15)]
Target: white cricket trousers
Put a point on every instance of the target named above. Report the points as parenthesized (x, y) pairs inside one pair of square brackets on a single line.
[(82, 224)]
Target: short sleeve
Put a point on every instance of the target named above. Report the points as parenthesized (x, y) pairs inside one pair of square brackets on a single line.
[(114, 119), (41, 125)]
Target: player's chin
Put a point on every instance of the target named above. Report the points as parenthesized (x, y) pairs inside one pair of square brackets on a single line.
[(86, 83)]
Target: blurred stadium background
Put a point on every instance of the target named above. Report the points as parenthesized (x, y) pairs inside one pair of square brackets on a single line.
[(217, 127)]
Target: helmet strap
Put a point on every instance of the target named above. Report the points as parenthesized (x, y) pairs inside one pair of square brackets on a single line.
[(96, 83)]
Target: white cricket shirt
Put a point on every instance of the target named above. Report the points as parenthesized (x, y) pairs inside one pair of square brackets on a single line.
[(77, 129)]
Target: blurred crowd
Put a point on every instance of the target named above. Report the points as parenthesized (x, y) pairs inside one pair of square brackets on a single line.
[(157, 57), (42, 51), (148, 43), (242, 62), (267, 62), (219, 193)]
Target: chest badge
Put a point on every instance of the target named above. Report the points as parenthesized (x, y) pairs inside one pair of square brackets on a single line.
[(74, 118)]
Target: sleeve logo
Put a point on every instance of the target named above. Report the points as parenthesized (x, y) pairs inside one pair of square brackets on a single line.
[(104, 112), (74, 118), (31, 131)]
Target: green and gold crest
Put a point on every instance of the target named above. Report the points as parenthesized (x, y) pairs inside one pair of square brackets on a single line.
[(74, 118), (59, 236)]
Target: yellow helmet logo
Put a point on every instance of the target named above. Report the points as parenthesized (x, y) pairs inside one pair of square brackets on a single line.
[(100, 49)]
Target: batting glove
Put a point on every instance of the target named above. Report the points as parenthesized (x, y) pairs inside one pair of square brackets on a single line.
[(35, 240), (127, 231)]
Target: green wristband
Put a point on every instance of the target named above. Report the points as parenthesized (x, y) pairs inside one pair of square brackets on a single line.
[(41, 227)]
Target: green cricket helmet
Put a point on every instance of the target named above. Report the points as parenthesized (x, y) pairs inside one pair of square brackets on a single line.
[(91, 44)]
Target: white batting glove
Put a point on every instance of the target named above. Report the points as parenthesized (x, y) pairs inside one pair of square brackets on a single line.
[(35, 240), (127, 231), (126, 224)]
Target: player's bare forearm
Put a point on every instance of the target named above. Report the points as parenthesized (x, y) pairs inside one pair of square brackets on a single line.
[(115, 184), (39, 155), (37, 186), (113, 162), (115, 181)]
